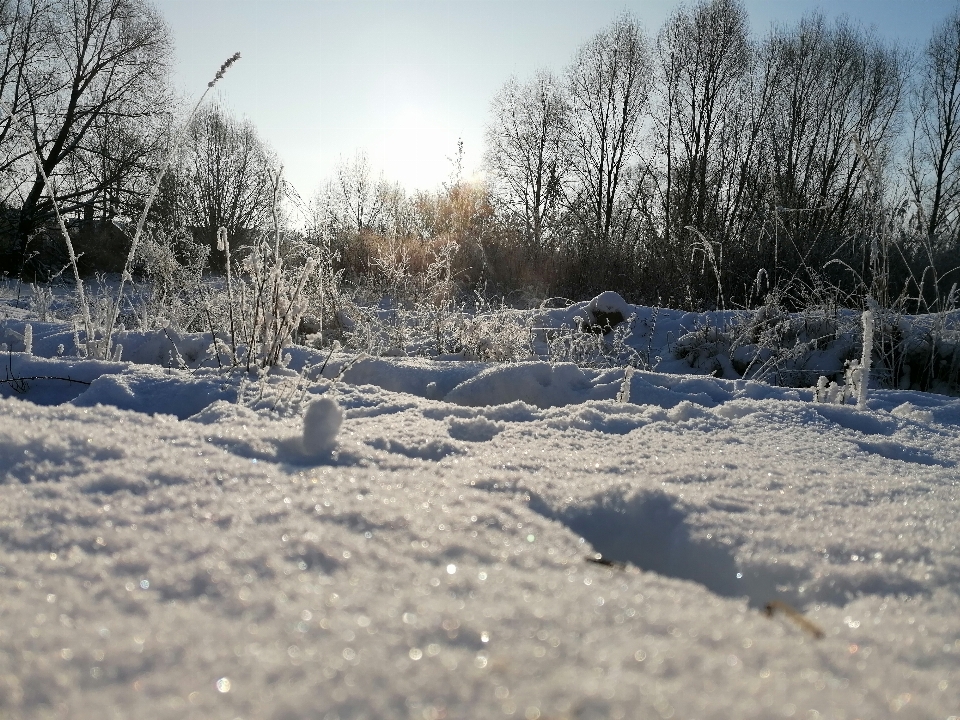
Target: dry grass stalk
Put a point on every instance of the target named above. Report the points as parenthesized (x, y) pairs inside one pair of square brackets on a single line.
[(794, 615)]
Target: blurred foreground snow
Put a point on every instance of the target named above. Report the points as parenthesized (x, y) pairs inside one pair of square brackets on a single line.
[(168, 552)]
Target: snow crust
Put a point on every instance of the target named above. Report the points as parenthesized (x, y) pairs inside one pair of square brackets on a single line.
[(419, 539)]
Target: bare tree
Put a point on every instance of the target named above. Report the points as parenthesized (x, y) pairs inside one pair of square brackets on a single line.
[(354, 206), (526, 152), (225, 176), (609, 86), (933, 162), (99, 61), (838, 98), (360, 196), (713, 95), (707, 60), (23, 35)]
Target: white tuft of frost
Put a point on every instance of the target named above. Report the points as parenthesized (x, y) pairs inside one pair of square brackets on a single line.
[(866, 358)]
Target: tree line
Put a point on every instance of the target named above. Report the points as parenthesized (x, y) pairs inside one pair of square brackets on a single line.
[(703, 166), (708, 166)]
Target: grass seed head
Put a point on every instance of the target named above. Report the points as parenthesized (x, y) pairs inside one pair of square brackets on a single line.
[(223, 69)]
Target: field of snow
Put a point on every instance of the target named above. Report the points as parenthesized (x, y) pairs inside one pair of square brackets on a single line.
[(417, 538)]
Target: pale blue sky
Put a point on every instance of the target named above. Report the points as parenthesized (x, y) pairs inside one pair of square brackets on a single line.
[(402, 80)]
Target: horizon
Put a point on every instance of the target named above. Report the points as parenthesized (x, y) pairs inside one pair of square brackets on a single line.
[(403, 81)]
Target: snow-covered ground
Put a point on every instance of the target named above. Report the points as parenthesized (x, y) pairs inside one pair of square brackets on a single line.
[(180, 543)]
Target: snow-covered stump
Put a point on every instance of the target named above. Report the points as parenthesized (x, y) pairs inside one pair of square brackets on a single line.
[(606, 311)]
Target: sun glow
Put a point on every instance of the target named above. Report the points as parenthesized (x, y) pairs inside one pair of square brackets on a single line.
[(417, 144)]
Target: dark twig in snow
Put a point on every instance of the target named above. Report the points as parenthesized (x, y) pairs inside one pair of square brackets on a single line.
[(796, 616)]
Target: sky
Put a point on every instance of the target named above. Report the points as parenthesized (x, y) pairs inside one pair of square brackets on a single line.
[(404, 80)]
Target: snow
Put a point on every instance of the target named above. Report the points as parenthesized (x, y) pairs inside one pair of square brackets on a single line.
[(321, 423), (416, 538)]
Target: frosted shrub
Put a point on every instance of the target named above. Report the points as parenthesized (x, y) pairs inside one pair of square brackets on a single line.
[(173, 264), (265, 300), (325, 319), (410, 304), (704, 347), (438, 286), (495, 334), (568, 344), (773, 345), (41, 302), (588, 349), (363, 329), (272, 303), (601, 337), (617, 348), (392, 275)]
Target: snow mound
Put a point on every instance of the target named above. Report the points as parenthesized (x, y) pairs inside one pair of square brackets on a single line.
[(477, 429), (414, 376), (460, 540), (607, 310), (321, 423), (912, 412), (153, 390), (609, 302), (540, 384)]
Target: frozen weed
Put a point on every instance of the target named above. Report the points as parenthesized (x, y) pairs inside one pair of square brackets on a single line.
[(272, 303), (583, 347), (172, 265), (706, 348), (772, 345), (495, 334)]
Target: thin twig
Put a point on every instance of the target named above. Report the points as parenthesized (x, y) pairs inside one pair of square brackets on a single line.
[(796, 616), (213, 334), (43, 377), (324, 366), (600, 560)]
